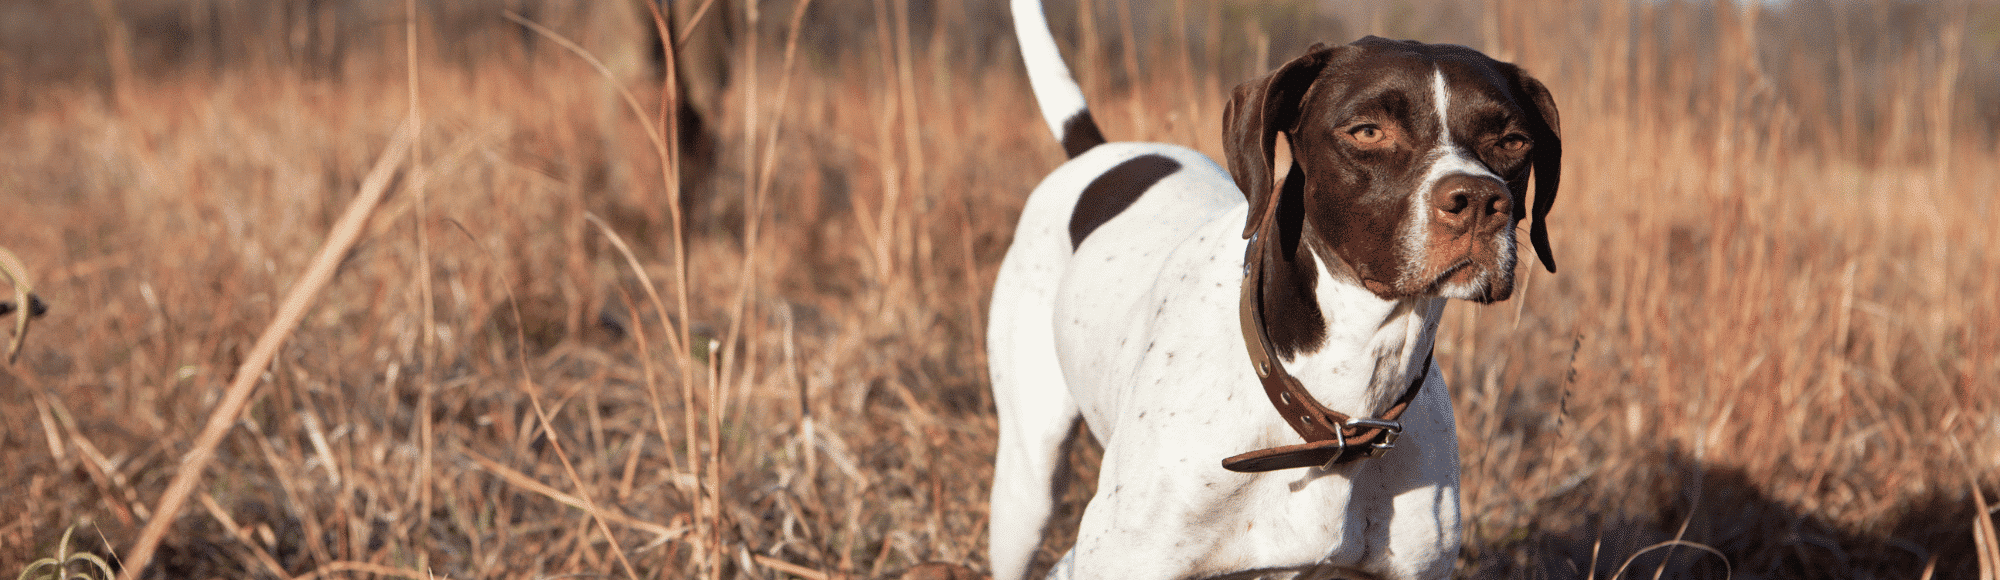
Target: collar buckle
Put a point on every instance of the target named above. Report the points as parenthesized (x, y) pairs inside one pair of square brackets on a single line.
[(1390, 431)]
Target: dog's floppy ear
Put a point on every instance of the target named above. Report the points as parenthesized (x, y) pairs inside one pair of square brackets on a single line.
[(1260, 109), (1545, 129)]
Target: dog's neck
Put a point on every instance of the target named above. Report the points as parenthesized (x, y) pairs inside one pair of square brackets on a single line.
[(1371, 348)]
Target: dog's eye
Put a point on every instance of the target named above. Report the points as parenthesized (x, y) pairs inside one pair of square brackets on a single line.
[(1515, 142), (1368, 134)]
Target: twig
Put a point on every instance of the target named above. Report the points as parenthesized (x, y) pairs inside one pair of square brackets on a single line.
[(533, 390), (796, 570), (1985, 540), (1727, 571), (290, 311), (523, 481), (243, 537)]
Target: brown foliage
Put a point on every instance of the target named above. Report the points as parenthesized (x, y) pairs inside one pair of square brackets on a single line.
[(1774, 333)]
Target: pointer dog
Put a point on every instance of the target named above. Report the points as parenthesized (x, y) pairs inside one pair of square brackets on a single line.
[(1260, 373)]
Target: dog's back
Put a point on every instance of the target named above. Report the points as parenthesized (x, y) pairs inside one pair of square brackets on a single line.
[(1093, 225)]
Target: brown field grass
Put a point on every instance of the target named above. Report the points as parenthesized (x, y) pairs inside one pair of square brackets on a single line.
[(1775, 334)]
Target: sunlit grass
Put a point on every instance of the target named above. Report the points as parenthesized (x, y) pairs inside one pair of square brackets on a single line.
[(1773, 333)]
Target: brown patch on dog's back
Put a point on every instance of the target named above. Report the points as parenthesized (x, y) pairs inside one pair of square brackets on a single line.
[(1115, 190)]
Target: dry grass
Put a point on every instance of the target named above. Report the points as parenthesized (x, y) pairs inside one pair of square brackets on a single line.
[(1774, 333)]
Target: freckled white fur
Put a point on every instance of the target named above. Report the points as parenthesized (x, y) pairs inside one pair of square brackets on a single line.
[(1136, 331)]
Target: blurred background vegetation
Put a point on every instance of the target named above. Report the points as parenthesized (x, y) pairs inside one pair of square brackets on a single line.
[(1773, 334)]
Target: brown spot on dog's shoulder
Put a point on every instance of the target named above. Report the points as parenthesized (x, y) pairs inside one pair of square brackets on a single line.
[(1115, 190)]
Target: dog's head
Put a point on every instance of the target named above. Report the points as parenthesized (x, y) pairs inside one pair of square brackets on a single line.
[(1410, 165)]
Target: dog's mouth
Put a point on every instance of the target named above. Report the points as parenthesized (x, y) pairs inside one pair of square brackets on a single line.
[(1480, 272), (1478, 267), (1466, 278), (1470, 280), (1449, 282)]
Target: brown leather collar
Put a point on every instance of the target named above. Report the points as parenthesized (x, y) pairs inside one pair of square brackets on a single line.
[(1332, 438)]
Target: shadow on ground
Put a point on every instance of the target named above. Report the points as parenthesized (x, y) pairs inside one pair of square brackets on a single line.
[(1597, 530)]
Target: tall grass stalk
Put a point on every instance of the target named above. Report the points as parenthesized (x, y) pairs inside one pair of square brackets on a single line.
[(301, 296)]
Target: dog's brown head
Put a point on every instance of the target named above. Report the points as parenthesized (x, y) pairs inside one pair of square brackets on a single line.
[(1410, 166)]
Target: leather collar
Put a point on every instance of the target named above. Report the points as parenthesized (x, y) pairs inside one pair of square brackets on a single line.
[(1332, 438)]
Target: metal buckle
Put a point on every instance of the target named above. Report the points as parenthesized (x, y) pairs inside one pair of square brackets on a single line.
[(1390, 431), (1342, 450)]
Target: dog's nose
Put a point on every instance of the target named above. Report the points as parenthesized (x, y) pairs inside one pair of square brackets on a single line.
[(1464, 201)]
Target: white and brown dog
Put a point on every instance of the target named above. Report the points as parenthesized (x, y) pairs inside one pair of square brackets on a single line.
[(1249, 366)]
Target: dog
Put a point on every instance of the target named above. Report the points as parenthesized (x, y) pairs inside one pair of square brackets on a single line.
[(1252, 347)]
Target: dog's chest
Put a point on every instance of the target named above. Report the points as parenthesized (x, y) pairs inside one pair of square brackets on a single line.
[(1301, 523), (1155, 360), (1298, 524)]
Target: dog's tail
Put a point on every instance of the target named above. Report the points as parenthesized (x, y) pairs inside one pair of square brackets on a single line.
[(1055, 88)]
